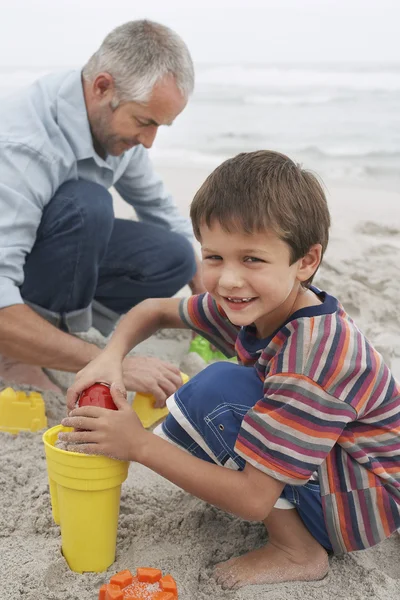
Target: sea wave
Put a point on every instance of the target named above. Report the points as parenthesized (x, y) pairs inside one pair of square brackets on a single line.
[(348, 152), (229, 96), (329, 151), (294, 100), (386, 79), (371, 163)]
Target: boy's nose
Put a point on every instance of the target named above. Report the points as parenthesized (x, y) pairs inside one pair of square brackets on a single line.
[(230, 279)]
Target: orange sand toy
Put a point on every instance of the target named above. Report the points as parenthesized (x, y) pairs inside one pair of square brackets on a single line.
[(149, 584), (20, 411)]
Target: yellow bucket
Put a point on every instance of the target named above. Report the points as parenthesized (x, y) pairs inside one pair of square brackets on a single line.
[(85, 493)]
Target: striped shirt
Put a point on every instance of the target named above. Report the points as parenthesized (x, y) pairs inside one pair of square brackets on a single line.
[(330, 405)]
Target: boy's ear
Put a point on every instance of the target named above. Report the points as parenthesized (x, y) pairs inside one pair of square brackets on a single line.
[(309, 263)]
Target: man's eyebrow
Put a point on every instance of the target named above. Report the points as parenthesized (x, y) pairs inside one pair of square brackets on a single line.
[(153, 122), (149, 121)]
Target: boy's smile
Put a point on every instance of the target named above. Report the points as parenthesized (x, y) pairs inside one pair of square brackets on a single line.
[(251, 277)]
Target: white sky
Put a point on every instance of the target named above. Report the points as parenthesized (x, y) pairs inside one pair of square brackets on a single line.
[(66, 32)]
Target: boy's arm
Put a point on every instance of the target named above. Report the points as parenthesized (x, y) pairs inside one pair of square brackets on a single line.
[(142, 321), (249, 494)]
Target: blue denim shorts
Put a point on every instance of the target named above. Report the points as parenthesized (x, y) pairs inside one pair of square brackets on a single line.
[(205, 418)]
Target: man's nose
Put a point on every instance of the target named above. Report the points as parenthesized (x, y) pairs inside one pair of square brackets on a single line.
[(148, 136)]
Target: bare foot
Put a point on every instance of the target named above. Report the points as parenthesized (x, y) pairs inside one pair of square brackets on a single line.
[(272, 564), (12, 371)]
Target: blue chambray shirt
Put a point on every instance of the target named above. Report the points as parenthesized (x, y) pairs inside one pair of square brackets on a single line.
[(45, 140)]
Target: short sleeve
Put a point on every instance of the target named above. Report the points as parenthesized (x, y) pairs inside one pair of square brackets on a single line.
[(202, 314), (291, 431)]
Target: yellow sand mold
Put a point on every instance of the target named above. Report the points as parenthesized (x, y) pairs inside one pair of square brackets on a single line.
[(20, 411), (143, 405), (85, 494)]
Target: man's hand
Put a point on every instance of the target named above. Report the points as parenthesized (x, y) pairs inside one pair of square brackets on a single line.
[(115, 433), (151, 376)]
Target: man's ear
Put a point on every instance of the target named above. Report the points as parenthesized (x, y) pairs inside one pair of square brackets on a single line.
[(309, 263), (103, 86)]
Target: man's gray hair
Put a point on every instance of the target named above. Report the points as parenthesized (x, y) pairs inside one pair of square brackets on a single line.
[(138, 54)]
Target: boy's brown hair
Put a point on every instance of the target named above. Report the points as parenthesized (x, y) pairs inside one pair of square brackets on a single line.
[(265, 190)]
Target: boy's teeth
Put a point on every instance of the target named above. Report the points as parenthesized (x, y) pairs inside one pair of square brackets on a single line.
[(239, 299)]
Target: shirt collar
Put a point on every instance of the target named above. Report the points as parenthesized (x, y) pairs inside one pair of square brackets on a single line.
[(73, 119)]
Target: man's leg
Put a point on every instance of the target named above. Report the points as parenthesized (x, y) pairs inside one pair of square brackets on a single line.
[(62, 269), (142, 261)]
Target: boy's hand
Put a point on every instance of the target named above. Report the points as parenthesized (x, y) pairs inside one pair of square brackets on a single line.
[(114, 433), (102, 368), (136, 373)]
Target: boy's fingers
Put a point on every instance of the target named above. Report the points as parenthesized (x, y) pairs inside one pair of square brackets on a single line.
[(77, 422), (72, 397), (88, 411), (77, 437), (83, 448)]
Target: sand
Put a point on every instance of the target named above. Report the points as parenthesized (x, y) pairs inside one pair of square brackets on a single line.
[(160, 525)]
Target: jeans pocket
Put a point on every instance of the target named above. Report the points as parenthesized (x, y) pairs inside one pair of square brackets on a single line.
[(223, 425), (313, 486)]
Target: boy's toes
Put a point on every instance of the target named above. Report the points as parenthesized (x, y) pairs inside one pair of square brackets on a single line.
[(225, 576)]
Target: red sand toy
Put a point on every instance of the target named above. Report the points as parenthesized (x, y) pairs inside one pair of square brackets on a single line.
[(97, 394), (149, 584)]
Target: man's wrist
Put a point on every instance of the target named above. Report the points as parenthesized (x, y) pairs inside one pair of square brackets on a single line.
[(91, 351)]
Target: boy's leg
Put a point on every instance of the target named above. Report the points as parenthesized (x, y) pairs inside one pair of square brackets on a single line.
[(142, 261), (291, 554), (205, 419)]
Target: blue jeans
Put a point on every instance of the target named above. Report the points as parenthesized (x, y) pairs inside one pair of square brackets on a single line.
[(205, 419), (86, 267)]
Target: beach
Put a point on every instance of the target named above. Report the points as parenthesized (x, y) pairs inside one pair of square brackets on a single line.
[(163, 527)]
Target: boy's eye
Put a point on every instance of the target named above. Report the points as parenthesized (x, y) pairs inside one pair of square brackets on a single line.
[(212, 257), (252, 259)]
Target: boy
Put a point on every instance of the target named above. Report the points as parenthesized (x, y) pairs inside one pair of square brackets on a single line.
[(308, 422)]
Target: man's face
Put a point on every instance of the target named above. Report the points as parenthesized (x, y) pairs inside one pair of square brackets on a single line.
[(117, 130)]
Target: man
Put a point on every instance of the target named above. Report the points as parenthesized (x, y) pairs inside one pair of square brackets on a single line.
[(65, 261)]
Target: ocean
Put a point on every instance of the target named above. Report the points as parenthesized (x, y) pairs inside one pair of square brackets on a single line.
[(341, 121)]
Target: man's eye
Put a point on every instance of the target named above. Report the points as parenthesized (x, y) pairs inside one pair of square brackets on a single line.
[(141, 123)]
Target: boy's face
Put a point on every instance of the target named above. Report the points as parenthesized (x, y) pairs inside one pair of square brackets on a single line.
[(251, 277)]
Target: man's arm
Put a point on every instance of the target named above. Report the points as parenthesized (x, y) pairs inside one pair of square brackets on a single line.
[(143, 189), (27, 337)]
